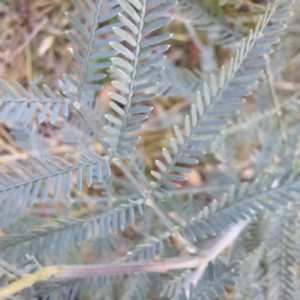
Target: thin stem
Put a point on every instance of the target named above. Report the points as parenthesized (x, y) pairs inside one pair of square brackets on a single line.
[(118, 162), (141, 175), (210, 252), (161, 215), (86, 271), (7, 267)]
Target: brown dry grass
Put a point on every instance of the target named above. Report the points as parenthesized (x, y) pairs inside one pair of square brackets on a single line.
[(33, 44)]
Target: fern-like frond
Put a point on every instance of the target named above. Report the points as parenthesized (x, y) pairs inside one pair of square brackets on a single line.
[(6, 220), (20, 105), (91, 224), (91, 48), (173, 285), (137, 287), (250, 284), (219, 99), (26, 182), (66, 232), (202, 18), (243, 203), (211, 285), (281, 255), (263, 159), (28, 138), (148, 248), (259, 124), (75, 133), (257, 119), (140, 58), (252, 239), (179, 82)]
